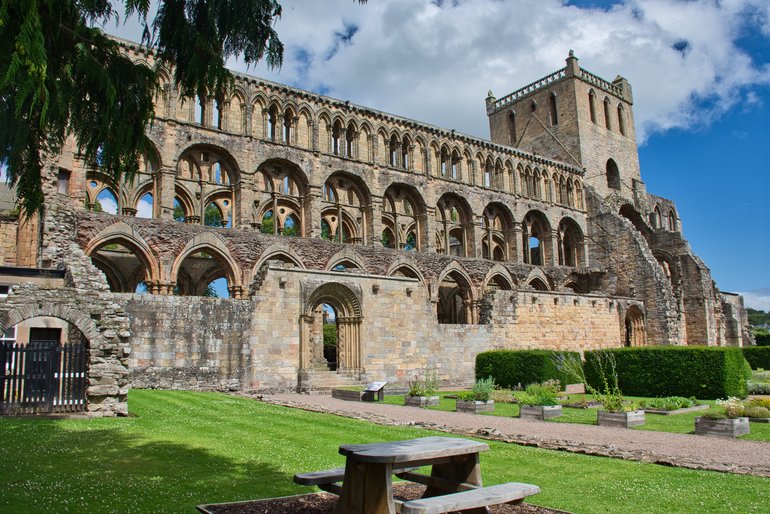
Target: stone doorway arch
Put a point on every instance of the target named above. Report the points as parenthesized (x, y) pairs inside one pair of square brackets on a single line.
[(347, 307), (634, 333)]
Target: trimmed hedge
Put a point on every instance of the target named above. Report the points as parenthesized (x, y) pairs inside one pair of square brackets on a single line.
[(699, 371), (758, 356), (762, 339), (510, 368)]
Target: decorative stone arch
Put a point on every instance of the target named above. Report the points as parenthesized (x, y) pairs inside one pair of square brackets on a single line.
[(70, 314), (538, 280), (347, 304), (634, 334), (500, 277), (464, 306), (571, 243), (214, 246), (536, 224), (121, 233), (346, 255), (575, 283), (407, 268)]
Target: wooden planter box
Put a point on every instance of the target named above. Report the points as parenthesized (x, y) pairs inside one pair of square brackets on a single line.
[(629, 419), (421, 401), (722, 427), (475, 406), (540, 412)]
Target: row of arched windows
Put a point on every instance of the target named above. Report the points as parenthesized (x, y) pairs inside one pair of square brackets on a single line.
[(206, 192), (609, 113), (286, 122)]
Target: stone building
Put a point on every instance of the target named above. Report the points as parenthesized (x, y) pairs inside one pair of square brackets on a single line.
[(423, 245)]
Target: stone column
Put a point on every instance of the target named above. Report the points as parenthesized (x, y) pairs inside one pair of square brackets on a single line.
[(312, 221), (376, 222), (518, 247), (166, 193), (553, 259)]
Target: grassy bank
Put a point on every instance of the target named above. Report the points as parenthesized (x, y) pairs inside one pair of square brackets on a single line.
[(187, 448)]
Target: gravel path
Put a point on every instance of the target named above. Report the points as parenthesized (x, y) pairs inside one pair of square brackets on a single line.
[(683, 450)]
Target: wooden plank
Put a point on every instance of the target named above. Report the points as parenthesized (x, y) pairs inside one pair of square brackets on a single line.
[(436, 482), (473, 499), (412, 450), (326, 476)]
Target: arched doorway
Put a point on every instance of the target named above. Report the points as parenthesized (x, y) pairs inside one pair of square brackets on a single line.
[(634, 327), (343, 304)]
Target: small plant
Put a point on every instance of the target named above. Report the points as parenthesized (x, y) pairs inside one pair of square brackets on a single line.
[(668, 403), (539, 394), (427, 386), (759, 402), (713, 414), (608, 393), (503, 396), (758, 387), (481, 391), (734, 407), (756, 412)]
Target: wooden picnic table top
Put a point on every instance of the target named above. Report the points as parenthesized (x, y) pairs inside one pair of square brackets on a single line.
[(422, 449)]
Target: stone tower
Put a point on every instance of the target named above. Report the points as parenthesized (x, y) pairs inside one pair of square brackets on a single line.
[(574, 116)]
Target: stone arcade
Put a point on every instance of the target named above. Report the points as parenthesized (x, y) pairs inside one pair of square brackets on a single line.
[(428, 246)]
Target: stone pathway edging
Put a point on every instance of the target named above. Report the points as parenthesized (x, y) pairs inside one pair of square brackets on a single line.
[(494, 434)]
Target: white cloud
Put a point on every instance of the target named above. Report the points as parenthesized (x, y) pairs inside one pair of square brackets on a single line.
[(436, 64), (759, 299), (144, 207)]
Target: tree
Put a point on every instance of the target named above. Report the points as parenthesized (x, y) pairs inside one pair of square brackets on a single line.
[(61, 76)]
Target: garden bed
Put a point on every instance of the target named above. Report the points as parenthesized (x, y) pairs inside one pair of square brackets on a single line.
[(324, 503), (676, 411)]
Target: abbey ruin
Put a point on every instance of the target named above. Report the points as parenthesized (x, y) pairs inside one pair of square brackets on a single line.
[(424, 246)]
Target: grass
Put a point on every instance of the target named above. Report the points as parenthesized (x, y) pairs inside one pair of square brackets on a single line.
[(678, 423), (186, 448)]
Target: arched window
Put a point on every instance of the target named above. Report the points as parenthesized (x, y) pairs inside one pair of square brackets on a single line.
[(656, 217), (592, 105), (145, 206), (607, 110), (613, 175), (444, 159), (106, 201), (455, 165), (393, 151), (288, 126), (552, 112), (621, 120), (350, 137), (405, 146), (336, 135), (488, 170), (512, 139), (535, 238), (533, 106), (671, 220), (570, 243), (199, 110), (216, 114), (272, 122)]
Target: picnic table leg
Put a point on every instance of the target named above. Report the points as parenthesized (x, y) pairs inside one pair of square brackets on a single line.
[(463, 468), (366, 489)]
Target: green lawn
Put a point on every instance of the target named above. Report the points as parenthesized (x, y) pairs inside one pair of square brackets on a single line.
[(678, 423), (187, 448)]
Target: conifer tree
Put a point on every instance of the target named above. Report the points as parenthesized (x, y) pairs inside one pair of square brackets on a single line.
[(61, 75)]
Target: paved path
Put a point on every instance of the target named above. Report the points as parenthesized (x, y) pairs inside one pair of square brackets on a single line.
[(683, 450)]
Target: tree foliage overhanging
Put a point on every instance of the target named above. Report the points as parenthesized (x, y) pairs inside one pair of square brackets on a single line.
[(61, 76)]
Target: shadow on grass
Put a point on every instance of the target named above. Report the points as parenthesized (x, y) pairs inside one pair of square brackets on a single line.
[(82, 466)]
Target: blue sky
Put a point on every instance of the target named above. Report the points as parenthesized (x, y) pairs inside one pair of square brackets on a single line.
[(700, 71)]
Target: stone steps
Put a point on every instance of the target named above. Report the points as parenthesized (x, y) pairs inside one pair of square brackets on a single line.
[(315, 380)]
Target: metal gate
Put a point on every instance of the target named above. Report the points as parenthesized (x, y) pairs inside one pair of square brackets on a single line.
[(42, 377)]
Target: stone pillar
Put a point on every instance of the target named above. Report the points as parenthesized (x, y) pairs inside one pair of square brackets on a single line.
[(376, 224), (305, 341), (518, 248), (476, 229), (166, 193), (312, 221), (428, 222), (553, 248)]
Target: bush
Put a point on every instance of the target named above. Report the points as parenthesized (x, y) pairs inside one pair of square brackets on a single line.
[(668, 403), (512, 367), (758, 356), (427, 386), (757, 412), (537, 394), (759, 402), (481, 391), (762, 336), (699, 372), (758, 387)]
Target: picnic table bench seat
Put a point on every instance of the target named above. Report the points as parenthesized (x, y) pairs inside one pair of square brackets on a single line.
[(470, 499)]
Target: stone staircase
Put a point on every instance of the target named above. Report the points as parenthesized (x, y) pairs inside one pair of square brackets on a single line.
[(320, 380)]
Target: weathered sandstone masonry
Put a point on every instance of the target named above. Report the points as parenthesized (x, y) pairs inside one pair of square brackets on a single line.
[(420, 245)]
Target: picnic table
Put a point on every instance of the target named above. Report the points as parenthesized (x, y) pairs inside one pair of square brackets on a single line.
[(454, 483)]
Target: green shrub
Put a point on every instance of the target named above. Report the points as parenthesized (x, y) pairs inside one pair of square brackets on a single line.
[(510, 368), (426, 386), (537, 394), (759, 402), (756, 412), (758, 356), (758, 387), (692, 371), (481, 391), (668, 403), (762, 336), (746, 370)]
